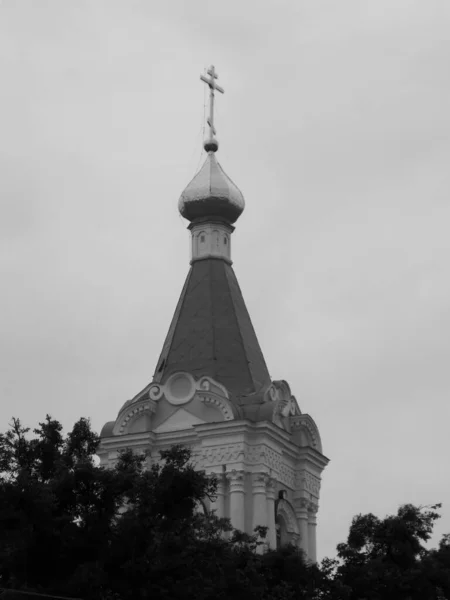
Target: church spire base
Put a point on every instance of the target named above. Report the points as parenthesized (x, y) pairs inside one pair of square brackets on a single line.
[(211, 239)]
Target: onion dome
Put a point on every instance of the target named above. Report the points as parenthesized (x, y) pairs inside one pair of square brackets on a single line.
[(211, 193)]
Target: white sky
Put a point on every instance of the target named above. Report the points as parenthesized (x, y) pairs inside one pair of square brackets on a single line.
[(335, 126)]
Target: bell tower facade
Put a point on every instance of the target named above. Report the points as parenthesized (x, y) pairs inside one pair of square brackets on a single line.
[(211, 390)]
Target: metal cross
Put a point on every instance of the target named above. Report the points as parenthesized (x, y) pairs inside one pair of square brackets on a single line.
[(212, 87)]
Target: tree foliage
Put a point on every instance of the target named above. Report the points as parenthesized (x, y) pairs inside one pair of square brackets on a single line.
[(64, 530), (386, 559), (69, 527)]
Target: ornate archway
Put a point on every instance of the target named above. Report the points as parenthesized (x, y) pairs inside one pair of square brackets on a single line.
[(286, 524)]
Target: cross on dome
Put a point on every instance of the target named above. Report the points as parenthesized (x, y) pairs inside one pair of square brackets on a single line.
[(211, 194), (211, 145)]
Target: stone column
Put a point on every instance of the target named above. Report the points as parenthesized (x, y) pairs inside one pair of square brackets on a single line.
[(259, 516), (301, 512), (270, 498), (237, 498), (312, 527), (219, 505)]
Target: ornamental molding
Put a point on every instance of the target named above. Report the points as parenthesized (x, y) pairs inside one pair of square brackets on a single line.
[(207, 384), (220, 455), (236, 480), (306, 422), (235, 475), (180, 388), (220, 403), (155, 392), (309, 482), (306, 508), (131, 413), (272, 459), (259, 482), (302, 504), (285, 403)]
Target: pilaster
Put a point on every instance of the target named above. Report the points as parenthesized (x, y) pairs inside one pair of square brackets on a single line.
[(237, 498), (312, 528), (301, 513), (270, 498), (259, 493)]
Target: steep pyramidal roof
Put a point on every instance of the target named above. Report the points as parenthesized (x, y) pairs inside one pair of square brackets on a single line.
[(211, 333)]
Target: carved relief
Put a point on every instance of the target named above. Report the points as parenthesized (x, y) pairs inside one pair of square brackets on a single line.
[(204, 384), (273, 393), (219, 455), (236, 480), (302, 504), (271, 487), (259, 482), (310, 483), (272, 459), (181, 387), (155, 392), (285, 403), (208, 384)]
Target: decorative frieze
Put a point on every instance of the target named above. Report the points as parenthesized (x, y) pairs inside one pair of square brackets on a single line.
[(220, 455), (308, 482), (274, 461)]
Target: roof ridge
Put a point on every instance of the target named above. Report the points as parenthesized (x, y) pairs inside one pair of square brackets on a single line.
[(160, 365), (230, 272)]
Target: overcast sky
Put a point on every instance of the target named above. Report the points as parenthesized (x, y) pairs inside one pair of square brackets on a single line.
[(334, 124)]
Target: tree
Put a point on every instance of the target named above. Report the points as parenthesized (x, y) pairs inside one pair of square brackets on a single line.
[(385, 559), (54, 497), (64, 531)]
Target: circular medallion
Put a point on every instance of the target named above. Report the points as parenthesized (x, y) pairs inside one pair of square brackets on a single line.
[(180, 388)]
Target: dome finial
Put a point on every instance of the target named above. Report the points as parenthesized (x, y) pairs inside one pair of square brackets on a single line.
[(211, 144), (211, 194)]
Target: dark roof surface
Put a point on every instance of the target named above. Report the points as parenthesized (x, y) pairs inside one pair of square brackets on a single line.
[(211, 332)]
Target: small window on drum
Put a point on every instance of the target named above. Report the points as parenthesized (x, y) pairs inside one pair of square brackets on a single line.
[(202, 239), (225, 240)]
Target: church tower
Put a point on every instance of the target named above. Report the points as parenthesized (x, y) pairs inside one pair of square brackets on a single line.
[(211, 390)]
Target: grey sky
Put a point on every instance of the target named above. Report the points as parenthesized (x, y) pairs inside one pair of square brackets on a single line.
[(335, 126)]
